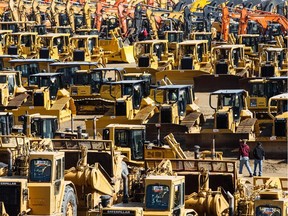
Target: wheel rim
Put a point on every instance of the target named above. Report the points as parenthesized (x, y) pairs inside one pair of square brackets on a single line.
[(69, 209)]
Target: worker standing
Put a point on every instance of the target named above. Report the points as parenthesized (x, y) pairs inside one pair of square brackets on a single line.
[(244, 151), (259, 156)]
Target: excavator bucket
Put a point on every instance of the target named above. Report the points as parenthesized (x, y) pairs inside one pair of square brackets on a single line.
[(209, 83), (180, 77), (127, 54)]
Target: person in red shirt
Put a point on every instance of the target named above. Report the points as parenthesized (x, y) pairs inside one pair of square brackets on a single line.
[(244, 151)]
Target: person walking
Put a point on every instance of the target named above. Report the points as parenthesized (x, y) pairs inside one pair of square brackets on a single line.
[(244, 151), (259, 156)]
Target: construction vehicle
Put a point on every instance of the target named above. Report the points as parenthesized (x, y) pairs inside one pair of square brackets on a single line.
[(42, 181), (115, 49), (174, 38), (48, 98), (193, 60), (21, 43), (89, 89), (13, 95), (153, 54), (260, 91), (229, 65), (272, 198), (29, 67), (3, 34), (279, 130), (163, 194), (176, 104), (68, 69), (271, 61), (53, 46), (231, 113), (132, 104), (86, 48)]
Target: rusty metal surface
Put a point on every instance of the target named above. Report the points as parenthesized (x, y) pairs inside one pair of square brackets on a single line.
[(18, 100), (246, 125)]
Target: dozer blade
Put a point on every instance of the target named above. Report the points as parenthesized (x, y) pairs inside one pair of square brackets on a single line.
[(209, 83), (127, 54), (179, 77)]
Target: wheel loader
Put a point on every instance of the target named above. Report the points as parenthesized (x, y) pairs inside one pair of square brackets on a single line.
[(53, 46), (90, 89), (29, 67), (47, 98), (86, 48), (231, 114), (193, 60)]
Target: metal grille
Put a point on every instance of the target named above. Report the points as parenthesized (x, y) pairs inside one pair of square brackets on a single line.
[(280, 127), (12, 50), (120, 108), (44, 53), (38, 99), (144, 61), (79, 55), (222, 121), (222, 68), (267, 71), (166, 115), (186, 63)]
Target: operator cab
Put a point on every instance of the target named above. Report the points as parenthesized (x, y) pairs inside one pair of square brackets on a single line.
[(53, 81), (180, 94), (127, 137)]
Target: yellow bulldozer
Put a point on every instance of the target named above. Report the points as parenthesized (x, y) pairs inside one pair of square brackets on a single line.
[(176, 105), (29, 67), (115, 49), (132, 104), (193, 60), (53, 46), (231, 114), (90, 89), (48, 98), (21, 43), (153, 54), (86, 48), (13, 95)]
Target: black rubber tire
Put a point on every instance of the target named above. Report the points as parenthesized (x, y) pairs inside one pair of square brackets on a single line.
[(69, 198)]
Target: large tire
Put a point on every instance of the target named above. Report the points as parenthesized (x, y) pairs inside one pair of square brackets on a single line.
[(69, 205)]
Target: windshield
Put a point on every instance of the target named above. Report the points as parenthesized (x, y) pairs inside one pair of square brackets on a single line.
[(40, 170), (175, 37), (143, 49), (81, 79), (68, 73), (257, 90), (43, 128), (222, 54), (157, 197), (282, 106), (28, 69), (187, 49)]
